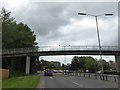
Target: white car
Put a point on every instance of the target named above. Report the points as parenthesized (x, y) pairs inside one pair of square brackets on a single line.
[(60, 71), (55, 71), (99, 72)]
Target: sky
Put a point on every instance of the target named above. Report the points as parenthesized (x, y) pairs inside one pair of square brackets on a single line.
[(58, 23)]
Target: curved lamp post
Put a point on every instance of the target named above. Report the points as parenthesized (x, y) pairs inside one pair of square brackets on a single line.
[(98, 35)]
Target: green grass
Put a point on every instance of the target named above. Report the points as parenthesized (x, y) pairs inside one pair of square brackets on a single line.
[(0, 84), (21, 82)]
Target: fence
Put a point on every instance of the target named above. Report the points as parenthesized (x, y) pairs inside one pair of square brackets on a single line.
[(4, 74), (105, 77)]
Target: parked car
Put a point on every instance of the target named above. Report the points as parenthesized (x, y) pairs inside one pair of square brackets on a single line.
[(48, 73)]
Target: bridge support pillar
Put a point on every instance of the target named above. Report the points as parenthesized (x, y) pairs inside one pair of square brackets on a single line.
[(117, 59), (27, 70)]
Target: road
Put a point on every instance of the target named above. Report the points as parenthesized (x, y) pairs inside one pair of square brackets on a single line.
[(65, 81)]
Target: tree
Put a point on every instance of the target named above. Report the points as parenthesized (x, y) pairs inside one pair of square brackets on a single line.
[(63, 66), (16, 35), (105, 64), (84, 63), (75, 63), (5, 16), (90, 64), (78, 63), (112, 65)]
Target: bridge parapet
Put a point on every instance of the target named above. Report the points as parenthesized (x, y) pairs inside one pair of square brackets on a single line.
[(58, 48)]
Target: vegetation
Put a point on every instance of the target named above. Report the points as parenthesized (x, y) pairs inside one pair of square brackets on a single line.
[(43, 64), (106, 65), (88, 63), (0, 84), (21, 82), (81, 64), (16, 35)]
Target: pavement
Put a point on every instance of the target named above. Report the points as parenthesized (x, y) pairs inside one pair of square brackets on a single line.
[(65, 81)]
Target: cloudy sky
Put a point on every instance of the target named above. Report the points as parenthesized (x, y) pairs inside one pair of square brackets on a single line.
[(57, 23)]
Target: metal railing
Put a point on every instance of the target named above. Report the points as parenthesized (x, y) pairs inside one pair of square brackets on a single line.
[(105, 77), (58, 48)]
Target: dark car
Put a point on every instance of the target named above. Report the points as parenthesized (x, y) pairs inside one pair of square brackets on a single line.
[(48, 73)]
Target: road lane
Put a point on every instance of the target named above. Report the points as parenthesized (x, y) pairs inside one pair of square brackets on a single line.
[(64, 81), (59, 82), (93, 83)]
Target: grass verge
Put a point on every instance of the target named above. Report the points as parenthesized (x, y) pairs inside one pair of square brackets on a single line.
[(21, 82), (0, 84)]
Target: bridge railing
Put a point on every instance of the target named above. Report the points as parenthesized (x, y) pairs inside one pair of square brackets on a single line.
[(19, 50), (58, 48), (65, 48)]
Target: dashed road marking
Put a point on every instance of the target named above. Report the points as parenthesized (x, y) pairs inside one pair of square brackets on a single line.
[(51, 77), (65, 78), (71, 77), (78, 84)]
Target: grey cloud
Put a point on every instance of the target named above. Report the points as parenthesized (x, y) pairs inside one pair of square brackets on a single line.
[(45, 19)]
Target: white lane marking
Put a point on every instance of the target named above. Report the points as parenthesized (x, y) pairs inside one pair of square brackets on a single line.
[(65, 78), (51, 77), (71, 77), (78, 84)]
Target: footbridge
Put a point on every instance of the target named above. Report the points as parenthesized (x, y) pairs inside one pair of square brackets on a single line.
[(60, 50)]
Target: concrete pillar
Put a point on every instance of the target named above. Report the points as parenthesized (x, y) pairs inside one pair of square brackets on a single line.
[(117, 59), (27, 70)]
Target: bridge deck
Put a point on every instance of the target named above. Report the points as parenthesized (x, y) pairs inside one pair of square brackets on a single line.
[(66, 50)]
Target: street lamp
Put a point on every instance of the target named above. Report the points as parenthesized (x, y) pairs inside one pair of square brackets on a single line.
[(65, 56), (64, 50), (96, 18)]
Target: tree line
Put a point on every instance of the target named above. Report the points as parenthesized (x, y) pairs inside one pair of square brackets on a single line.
[(90, 64)]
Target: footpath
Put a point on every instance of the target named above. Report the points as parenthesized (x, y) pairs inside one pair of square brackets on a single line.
[(41, 83)]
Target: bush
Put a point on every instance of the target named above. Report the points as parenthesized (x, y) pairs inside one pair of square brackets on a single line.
[(17, 74)]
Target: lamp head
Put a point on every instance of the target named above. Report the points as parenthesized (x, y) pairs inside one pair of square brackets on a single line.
[(82, 14), (109, 14)]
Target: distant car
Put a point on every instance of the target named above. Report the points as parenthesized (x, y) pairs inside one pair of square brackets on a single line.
[(99, 72), (55, 71), (60, 71), (48, 73), (67, 71)]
